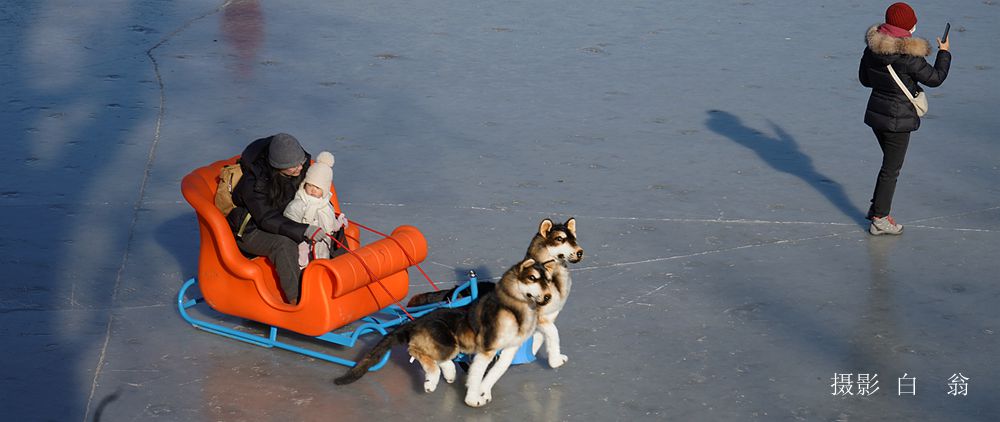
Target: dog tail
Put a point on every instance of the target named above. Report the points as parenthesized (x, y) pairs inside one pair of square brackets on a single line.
[(430, 297), (400, 335), (445, 295)]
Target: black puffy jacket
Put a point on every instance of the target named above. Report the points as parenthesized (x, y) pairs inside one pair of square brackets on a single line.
[(250, 195), (888, 108)]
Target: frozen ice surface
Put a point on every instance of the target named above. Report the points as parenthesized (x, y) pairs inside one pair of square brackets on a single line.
[(713, 154)]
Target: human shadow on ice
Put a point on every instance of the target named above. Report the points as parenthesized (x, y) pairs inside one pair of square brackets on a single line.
[(782, 153)]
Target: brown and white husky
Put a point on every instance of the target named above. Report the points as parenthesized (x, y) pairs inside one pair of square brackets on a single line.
[(551, 242), (558, 242), (499, 321)]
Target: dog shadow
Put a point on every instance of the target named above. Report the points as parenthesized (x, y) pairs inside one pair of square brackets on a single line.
[(782, 153)]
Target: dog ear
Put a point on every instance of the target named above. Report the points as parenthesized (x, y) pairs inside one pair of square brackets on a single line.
[(527, 263), (544, 227), (571, 226), (550, 266)]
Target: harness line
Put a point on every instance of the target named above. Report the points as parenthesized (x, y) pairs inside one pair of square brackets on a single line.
[(408, 257), (369, 271)]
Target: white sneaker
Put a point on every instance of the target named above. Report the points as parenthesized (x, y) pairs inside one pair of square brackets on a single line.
[(885, 225)]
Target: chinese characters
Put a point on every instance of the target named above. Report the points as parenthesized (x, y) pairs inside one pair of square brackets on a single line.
[(865, 385)]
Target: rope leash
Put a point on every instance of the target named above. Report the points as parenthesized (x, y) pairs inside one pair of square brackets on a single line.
[(371, 274), (408, 257)]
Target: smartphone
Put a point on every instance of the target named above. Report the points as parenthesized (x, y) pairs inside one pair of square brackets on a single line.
[(946, 29)]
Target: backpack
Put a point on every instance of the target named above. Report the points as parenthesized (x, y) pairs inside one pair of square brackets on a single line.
[(229, 176)]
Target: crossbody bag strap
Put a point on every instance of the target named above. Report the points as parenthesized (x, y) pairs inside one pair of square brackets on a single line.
[(899, 82), (243, 226)]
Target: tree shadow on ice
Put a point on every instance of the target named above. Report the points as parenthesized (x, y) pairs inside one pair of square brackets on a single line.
[(78, 93), (184, 248), (782, 153)]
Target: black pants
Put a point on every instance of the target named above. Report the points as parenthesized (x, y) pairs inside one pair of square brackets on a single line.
[(283, 253), (893, 146)]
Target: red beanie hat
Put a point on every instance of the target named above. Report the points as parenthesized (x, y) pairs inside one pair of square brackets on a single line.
[(901, 15)]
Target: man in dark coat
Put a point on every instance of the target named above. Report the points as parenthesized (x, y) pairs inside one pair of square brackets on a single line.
[(890, 113), (273, 167)]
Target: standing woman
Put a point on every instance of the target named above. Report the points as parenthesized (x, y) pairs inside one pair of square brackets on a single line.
[(890, 113)]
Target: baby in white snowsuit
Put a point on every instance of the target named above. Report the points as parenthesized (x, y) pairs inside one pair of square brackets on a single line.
[(311, 205)]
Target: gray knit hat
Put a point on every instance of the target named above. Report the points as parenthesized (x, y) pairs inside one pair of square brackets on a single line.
[(285, 152)]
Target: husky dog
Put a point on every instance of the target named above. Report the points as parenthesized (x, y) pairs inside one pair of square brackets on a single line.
[(558, 242), (498, 321), (551, 242)]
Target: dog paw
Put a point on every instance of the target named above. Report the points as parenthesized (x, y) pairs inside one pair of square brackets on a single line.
[(558, 361), (480, 400), (430, 386), (448, 371)]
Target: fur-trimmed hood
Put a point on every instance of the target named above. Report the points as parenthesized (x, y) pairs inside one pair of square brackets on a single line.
[(884, 44)]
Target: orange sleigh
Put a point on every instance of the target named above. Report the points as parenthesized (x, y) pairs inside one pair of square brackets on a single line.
[(335, 292)]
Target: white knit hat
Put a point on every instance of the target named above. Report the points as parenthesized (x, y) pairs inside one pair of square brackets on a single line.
[(320, 174)]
